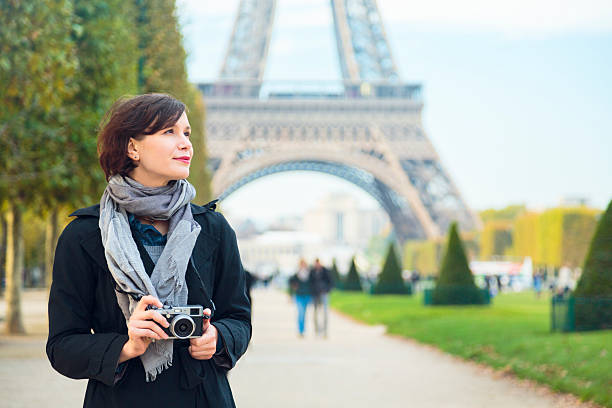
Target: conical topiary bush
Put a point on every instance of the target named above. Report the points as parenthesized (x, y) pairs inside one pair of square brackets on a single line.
[(335, 275), (455, 284), (352, 282), (593, 294), (390, 279)]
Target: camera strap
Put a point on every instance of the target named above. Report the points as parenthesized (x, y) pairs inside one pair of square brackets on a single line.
[(135, 296), (213, 308)]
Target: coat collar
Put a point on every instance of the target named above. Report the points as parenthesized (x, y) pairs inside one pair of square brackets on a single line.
[(205, 247), (94, 210)]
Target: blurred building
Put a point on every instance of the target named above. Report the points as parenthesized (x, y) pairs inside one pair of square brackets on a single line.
[(336, 228), (573, 201), (279, 251), (245, 228), (340, 220)]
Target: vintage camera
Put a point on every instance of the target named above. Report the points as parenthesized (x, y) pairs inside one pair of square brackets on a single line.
[(185, 321)]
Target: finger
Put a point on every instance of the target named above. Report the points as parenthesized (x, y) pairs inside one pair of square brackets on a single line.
[(146, 301), (150, 315), (201, 354), (208, 348), (136, 332), (206, 322), (154, 315), (147, 324), (144, 332), (197, 341)]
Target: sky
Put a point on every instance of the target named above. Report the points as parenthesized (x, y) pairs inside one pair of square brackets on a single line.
[(517, 95)]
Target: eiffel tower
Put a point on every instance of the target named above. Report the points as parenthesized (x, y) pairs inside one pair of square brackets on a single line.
[(365, 129)]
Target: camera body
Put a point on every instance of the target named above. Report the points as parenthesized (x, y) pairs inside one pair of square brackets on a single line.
[(186, 322)]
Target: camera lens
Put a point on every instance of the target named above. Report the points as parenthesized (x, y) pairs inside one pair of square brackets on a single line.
[(182, 326)]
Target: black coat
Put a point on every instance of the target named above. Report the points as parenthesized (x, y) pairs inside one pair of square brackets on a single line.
[(321, 281), (87, 329)]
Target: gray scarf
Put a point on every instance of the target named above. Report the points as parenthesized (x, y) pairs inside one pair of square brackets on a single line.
[(167, 282)]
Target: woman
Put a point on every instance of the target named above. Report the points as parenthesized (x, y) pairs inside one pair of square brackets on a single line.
[(147, 246), (300, 285)]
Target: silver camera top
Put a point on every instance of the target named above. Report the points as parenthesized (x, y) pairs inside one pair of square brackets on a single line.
[(189, 310)]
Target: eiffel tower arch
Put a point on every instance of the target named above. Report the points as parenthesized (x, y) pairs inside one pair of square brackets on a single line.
[(365, 129)]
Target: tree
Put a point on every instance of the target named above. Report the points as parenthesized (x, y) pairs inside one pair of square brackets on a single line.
[(37, 64), (424, 256), (105, 46), (335, 275), (495, 239), (2, 250), (455, 284), (161, 68), (596, 278), (593, 306), (563, 235), (390, 280), (525, 235), (508, 213), (352, 282)]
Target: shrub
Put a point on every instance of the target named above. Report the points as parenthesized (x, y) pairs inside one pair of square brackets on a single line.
[(336, 276), (352, 283), (455, 283), (593, 294), (495, 239), (563, 235), (390, 279)]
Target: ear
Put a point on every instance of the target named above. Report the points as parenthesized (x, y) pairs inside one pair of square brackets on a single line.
[(132, 149)]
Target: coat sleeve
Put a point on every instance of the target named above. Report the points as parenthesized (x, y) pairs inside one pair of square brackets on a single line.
[(72, 348), (233, 315)]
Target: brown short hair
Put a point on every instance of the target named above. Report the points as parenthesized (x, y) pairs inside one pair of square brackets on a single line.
[(133, 117)]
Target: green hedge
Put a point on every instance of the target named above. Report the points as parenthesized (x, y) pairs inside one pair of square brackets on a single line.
[(335, 275), (391, 289), (496, 239), (456, 295), (593, 294), (423, 256), (352, 282), (390, 280), (563, 235), (581, 313), (455, 284)]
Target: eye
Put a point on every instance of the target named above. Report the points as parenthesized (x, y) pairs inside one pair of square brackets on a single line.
[(169, 131), (187, 134)]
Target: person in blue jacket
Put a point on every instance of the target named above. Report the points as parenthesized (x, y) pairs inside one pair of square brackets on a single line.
[(300, 287), (146, 245)]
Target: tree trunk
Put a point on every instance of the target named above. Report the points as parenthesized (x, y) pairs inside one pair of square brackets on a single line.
[(2, 253), (51, 236), (14, 269)]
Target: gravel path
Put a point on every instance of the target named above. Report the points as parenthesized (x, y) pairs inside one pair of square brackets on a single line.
[(357, 366)]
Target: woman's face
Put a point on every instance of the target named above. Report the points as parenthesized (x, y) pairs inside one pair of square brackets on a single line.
[(162, 156)]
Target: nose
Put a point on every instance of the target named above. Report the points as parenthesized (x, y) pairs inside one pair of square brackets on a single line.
[(185, 143)]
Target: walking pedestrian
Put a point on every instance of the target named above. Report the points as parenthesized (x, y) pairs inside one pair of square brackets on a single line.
[(301, 289), (537, 283), (321, 284), (146, 245)]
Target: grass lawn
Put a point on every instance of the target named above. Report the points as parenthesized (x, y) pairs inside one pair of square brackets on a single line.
[(512, 333)]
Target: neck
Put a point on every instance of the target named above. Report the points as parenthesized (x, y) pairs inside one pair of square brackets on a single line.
[(147, 179)]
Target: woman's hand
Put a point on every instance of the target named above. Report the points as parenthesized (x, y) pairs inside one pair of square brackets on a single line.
[(142, 328), (205, 346)]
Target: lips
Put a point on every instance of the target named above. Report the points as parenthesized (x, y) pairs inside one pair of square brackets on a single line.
[(184, 159)]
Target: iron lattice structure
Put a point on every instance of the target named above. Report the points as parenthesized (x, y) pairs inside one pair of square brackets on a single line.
[(366, 129)]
